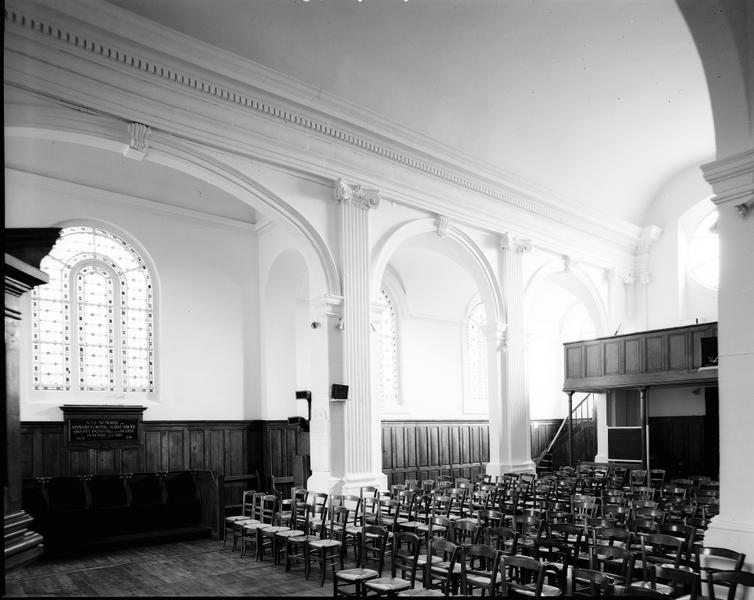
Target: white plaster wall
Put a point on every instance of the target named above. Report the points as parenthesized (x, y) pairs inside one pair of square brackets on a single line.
[(673, 297), (206, 318), (676, 402)]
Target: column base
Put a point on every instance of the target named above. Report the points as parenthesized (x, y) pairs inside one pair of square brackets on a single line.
[(503, 468), (323, 481), (736, 535), (351, 484), (601, 459)]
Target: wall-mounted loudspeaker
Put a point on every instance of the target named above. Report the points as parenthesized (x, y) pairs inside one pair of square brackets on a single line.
[(339, 392), (303, 395)]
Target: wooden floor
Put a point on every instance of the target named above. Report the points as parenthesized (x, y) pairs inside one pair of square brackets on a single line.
[(193, 568)]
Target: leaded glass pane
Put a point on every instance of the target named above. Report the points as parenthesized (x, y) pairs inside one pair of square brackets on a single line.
[(388, 359), (476, 352), (100, 281)]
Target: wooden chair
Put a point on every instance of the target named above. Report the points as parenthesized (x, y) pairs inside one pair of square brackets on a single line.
[(372, 544), (674, 582), (614, 561), (711, 559), (587, 582), (479, 569), (265, 518), (444, 573), (233, 523), (328, 549), (524, 576), (298, 524), (502, 539), (266, 536), (405, 555), (732, 579), (659, 548)]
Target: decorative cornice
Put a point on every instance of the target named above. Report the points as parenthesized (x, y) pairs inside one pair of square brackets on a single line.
[(283, 105), (356, 195)]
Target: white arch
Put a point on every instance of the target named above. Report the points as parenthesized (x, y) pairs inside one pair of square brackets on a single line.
[(592, 298), (60, 125), (471, 255)]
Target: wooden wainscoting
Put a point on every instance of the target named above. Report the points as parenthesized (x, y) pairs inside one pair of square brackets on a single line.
[(678, 445), (227, 447), (542, 431), (426, 449)]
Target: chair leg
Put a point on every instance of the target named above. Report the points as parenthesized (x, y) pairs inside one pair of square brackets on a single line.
[(323, 565)]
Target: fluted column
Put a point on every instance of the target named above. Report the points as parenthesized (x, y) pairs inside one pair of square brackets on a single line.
[(358, 431), (514, 452)]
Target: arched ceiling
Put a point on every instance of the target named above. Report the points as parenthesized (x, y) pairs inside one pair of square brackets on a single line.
[(598, 102)]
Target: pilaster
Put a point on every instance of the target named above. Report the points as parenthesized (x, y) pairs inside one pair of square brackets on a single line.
[(732, 180), (326, 451)]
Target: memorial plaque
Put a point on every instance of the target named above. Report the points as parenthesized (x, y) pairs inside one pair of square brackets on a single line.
[(103, 430)]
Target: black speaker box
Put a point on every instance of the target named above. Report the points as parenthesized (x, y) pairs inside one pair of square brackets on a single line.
[(339, 392), (303, 395)]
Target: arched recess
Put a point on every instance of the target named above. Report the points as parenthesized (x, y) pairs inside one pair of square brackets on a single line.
[(439, 274), (286, 335), (466, 252), (560, 305), (55, 124)]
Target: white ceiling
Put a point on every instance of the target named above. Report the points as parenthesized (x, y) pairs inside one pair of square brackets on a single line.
[(599, 101)]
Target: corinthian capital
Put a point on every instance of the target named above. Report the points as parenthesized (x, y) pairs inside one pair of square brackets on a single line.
[(357, 195)]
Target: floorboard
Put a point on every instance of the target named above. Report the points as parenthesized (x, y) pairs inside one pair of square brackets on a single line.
[(202, 568)]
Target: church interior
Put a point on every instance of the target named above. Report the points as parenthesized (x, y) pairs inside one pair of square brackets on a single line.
[(378, 250)]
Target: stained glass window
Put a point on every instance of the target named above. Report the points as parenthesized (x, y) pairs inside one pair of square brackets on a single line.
[(476, 352), (704, 252), (92, 324), (388, 333)]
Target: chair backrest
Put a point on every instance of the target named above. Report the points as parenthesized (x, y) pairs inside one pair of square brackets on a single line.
[(269, 509), (300, 516), (353, 502), (282, 486), (247, 503), (659, 548), (681, 581), (613, 559), (521, 574), (373, 543), (300, 494), (732, 579), (587, 582), (502, 539), (339, 516), (490, 518), (465, 532), (405, 555), (608, 536), (480, 559), (711, 559)]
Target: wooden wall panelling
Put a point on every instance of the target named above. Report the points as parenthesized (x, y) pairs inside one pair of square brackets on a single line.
[(612, 357), (679, 350), (655, 352), (633, 355), (227, 447), (677, 444)]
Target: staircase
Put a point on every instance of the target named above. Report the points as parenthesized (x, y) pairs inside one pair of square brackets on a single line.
[(582, 427)]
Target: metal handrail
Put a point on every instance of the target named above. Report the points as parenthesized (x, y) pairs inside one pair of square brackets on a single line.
[(562, 426)]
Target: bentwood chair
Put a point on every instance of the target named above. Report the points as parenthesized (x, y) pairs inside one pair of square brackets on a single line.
[(587, 582)]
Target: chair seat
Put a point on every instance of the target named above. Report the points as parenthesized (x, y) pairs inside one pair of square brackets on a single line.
[(422, 559), (435, 528), (647, 585), (290, 533), (356, 574), (353, 530), (255, 526), (301, 539), (235, 518), (443, 566), (388, 584), (275, 529), (547, 590), (324, 543), (420, 592), (479, 578)]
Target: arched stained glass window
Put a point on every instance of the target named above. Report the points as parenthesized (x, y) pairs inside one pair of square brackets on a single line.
[(476, 352), (92, 324), (388, 358), (704, 252)]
